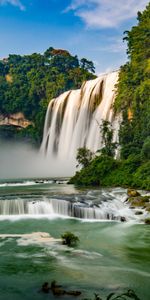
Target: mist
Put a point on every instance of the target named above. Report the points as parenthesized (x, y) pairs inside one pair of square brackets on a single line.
[(18, 160)]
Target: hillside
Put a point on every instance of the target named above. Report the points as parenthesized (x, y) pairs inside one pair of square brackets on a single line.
[(133, 101), (29, 82)]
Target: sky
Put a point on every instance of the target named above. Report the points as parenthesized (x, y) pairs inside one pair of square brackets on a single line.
[(88, 28)]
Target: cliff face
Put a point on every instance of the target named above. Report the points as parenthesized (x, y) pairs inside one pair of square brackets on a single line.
[(17, 120)]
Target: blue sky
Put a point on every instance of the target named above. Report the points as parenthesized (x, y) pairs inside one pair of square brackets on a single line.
[(89, 28)]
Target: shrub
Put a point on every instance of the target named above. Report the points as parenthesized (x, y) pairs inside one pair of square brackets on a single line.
[(69, 239)]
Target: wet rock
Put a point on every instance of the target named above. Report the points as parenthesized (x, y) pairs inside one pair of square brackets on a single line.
[(58, 292), (55, 285), (147, 207), (45, 288), (139, 201), (147, 221), (123, 219), (73, 293), (138, 213), (133, 193)]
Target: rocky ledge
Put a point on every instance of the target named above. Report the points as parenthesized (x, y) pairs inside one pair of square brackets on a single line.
[(17, 120), (138, 201)]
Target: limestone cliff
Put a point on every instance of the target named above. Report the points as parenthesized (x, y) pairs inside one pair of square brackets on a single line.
[(17, 120)]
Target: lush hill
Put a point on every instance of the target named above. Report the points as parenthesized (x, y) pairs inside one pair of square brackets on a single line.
[(133, 101), (27, 83)]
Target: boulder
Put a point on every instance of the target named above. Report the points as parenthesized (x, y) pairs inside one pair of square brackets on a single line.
[(139, 201), (133, 193)]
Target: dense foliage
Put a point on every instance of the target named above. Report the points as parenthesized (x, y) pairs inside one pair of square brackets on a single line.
[(84, 157), (133, 101), (133, 95), (29, 82), (107, 171)]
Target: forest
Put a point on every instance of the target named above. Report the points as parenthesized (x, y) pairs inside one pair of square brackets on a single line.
[(133, 102), (29, 82)]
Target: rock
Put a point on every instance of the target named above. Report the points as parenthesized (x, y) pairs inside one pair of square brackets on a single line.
[(147, 221), (139, 201), (123, 219), (45, 288), (138, 212), (58, 292), (133, 193), (73, 293)]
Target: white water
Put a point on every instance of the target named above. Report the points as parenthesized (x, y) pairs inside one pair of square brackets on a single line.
[(113, 209), (73, 119)]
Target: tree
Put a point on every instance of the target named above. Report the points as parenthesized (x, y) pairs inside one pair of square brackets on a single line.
[(87, 65), (84, 157), (146, 149), (107, 138), (29, 82)]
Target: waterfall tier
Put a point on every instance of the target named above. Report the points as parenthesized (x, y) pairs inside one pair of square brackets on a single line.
[(106, 210), (73, 119)]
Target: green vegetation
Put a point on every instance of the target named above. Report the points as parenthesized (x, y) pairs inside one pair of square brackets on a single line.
[(133, 101), (84, 157), (133, 90), (107, 139), (69, 239), (29, 82)]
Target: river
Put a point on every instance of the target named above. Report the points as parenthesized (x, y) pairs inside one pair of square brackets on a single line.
[(112, 256)]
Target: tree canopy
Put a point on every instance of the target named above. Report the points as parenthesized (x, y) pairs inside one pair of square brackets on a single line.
[(29, 82), (133, 94)]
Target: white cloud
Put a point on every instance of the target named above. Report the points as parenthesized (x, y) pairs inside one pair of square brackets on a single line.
[(106, 13), (113, 45), (14, 3)]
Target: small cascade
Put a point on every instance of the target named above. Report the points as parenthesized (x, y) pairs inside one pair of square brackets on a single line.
[(73, 119), (113, 209)]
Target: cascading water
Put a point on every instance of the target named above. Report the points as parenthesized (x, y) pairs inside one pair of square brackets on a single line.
[(92, 205), (73, 119), (61, 207)]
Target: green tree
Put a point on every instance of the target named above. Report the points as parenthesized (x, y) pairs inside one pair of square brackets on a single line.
[(84, 157), (87, 65), (29, 82), (107, 138), (133, 89)]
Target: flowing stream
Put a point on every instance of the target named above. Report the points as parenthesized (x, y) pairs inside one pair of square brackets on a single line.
[(112, 256)]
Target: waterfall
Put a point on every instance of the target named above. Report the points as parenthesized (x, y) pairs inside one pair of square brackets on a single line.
[(73, 119), (104, 210)]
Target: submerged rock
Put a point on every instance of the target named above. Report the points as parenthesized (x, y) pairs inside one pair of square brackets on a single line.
[(57, 290), (45, 288)]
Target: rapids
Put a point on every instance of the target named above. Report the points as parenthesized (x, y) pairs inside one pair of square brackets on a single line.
[(111, 256)]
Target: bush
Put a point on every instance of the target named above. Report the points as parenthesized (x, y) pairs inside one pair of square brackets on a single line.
[(69, 239)]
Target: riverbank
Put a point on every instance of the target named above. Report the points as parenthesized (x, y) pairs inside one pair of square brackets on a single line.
[(105, 171)]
